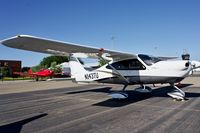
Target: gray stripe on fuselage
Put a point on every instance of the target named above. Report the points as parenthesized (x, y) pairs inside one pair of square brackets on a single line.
[(142, 80)]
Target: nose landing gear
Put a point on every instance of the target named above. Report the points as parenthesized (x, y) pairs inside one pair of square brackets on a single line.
[(177, 94)]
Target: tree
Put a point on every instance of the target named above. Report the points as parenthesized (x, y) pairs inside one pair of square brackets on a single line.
[(56, 68), (36, 68), (46, 62), (4, 71), (102, 62), (49, 61)]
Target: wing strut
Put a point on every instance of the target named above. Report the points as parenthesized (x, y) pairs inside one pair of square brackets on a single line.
[(115, 95)]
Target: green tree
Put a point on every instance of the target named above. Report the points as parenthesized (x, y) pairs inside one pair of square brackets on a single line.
[(50, 61), (102, 62), (36, 68), (46, 62), (56, 68), (4, 71)]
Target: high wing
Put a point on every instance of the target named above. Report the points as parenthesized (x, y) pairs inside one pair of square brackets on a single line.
[(42, 45)]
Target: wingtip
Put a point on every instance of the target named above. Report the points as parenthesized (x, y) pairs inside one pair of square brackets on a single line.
[(5, 40), (17, 36)]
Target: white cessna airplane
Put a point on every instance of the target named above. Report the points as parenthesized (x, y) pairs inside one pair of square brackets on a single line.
[(122, 68)]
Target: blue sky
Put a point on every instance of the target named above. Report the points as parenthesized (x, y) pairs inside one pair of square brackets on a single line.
[(156, 27)]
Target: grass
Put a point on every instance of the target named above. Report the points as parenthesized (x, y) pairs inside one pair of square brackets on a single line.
[(18, 78)]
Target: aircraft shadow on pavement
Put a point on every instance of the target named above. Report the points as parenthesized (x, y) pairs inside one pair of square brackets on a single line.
[(133, 95), (136, 96), (16, 127), (98, 90)]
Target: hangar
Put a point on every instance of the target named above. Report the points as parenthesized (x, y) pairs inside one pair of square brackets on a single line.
[(7, 67)]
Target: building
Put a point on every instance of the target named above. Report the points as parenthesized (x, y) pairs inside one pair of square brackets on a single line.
[(10, 66)]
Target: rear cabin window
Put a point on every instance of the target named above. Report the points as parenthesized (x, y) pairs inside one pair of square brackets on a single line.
[(132, 64)]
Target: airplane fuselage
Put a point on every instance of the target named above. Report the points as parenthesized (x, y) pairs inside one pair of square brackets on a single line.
[(136, 71)]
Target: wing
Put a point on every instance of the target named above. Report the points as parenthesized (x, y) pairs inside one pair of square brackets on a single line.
[(42, 45)]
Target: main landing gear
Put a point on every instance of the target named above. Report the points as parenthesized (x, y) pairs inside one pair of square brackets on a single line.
[(123, 95), (177, 94), (120, 95)]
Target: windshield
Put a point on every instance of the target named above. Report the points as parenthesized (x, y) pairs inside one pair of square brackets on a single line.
[(149, 60)]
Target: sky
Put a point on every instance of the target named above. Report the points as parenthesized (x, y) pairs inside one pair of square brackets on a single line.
[(155, 27)]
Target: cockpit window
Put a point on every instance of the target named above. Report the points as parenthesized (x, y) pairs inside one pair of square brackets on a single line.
[(131, 64), (149, 60)]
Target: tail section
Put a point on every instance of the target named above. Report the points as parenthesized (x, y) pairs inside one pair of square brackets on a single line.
[(81, 75), (30, 72), (77, 69)]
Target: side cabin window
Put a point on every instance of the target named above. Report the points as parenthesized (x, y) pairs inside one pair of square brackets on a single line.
[(131, 64)]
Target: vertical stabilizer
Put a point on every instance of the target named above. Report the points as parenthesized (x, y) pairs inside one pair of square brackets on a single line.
[(77, 69), (30, 71)]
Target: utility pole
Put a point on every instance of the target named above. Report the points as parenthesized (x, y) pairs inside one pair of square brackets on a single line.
[(155, 48), (112, 39)]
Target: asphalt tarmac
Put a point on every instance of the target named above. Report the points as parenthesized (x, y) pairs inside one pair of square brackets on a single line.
[(50, 108)]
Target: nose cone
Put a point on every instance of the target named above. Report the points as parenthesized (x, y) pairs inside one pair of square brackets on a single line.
[(181, 68), (174, 64), (183, 65), (187, 64), (178, 68)]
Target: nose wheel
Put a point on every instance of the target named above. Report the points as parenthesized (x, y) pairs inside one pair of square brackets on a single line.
[(177, 94)]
